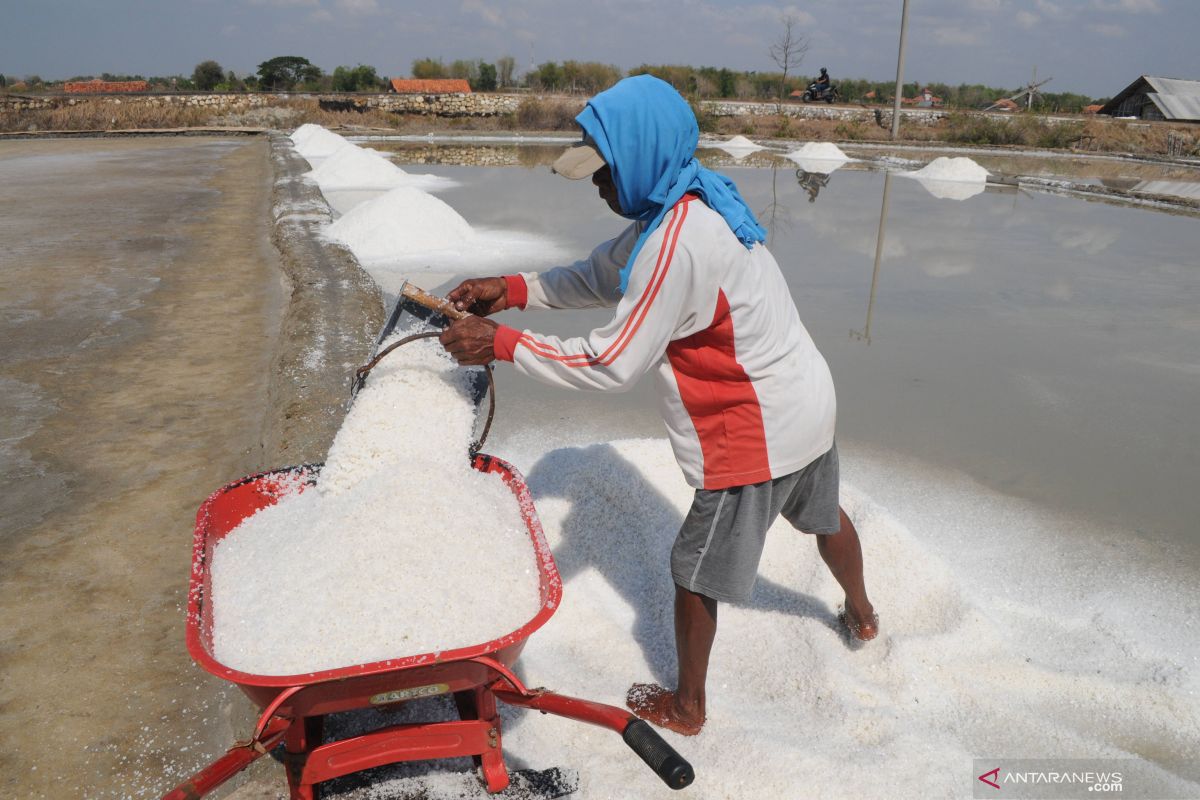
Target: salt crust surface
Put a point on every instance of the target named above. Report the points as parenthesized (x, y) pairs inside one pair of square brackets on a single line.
[(401, 549), (353, 167), (1073, 651)]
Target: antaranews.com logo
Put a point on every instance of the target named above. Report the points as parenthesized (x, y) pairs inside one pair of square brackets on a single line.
[(1073, 779)]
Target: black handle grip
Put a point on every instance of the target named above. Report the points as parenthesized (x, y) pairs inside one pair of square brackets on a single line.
[(658, 755)]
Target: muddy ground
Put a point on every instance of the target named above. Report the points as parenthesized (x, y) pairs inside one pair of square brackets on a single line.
[(156, 345)]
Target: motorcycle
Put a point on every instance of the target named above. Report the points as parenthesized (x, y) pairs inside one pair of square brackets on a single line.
[(828, 93)]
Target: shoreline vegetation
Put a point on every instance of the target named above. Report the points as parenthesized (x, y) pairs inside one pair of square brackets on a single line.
[(1070, 133)]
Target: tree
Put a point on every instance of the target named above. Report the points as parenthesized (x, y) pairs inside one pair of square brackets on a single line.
[(3, 81), (424, 68), (207, 75), (506, 66), (282, 73), (546, 77), (788, 50), (486, 82), (726, 85), (362, 78)]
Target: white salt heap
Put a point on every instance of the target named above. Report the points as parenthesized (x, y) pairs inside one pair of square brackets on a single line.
[(402, 220), (313, 141), (822, 151), (961, 169), (739, 144), (354, 167), (401, 549)]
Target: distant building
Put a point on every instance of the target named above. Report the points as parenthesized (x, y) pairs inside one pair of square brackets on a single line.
[(1003, 105), (1094, 108), (430, 86), (924, 99), (1151, 97), (104, 87)]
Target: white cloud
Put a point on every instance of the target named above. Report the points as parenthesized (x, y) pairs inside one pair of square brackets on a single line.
[(987, 6), (230, 30), (1129, 6), (950, 35), (1028, 20), (286, 3), (320, 15), (491, 16), (1052, 10), (1110, 31), (358, 6)]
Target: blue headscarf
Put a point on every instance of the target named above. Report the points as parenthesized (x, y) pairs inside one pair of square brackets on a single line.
[(647, 134)]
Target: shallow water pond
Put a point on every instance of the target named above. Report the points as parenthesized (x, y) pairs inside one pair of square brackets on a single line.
[(1047, 346)]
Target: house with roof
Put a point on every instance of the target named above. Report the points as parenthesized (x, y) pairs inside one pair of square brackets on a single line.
[(98, 86), (1152, 97)]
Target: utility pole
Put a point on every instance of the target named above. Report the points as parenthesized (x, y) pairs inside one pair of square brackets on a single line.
[(1032, 86), (900, 73)]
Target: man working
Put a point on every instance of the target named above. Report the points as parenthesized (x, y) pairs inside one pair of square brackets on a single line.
[(747, 398)]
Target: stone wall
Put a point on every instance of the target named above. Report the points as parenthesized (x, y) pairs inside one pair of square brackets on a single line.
[(440, 105), (919, 116), (231, 102)]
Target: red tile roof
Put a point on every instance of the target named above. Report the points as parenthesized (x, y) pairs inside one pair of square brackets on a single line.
[(430, 86), (104, 87)]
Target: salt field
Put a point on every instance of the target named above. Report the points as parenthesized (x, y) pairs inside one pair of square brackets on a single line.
[(1019, 436), (1015, 460)]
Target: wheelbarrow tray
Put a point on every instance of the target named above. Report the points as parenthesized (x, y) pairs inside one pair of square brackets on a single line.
[(377, 683), (294, 706)]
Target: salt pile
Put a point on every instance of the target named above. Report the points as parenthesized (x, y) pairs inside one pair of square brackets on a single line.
[(404, 220), (822, 151), (960, 169), (401, 549), (313, 141), (822, 157), (739, 146), (354, 167)]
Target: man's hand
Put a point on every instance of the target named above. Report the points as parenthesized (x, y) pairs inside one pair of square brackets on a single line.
[(482, 296), (471, 340)]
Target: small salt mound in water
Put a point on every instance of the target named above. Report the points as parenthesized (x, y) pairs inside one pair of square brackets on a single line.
[(402, 548), (961, 169), (819, 151), (404, 220), (313, 141), (739, 144), (353, 167)]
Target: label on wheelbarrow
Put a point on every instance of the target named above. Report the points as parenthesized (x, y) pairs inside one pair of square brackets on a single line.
[(408, 694)]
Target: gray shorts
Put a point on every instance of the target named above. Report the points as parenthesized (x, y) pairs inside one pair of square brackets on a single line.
[(719, 546)]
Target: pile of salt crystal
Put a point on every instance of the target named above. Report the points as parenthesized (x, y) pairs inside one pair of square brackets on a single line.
[(404, 220), (313, 141), (401, 549), (354, 167)]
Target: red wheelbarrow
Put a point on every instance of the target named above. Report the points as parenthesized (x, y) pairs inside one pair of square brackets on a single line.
[(294, 706)]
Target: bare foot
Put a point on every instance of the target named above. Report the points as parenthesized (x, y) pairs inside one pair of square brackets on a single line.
[(657, 706), (863, 627)]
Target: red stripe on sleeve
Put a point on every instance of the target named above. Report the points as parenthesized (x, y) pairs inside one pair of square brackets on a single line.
[(636, 317)]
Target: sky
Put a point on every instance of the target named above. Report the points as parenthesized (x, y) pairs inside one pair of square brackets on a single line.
[(1093, 47)]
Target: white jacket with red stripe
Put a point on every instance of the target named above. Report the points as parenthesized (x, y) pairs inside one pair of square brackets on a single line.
[(744, 392)]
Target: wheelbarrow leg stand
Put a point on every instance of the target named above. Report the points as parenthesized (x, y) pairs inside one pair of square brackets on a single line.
[(303, 735), (480, 704)]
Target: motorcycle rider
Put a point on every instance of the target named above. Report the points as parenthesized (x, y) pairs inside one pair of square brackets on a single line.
[(822, 83)]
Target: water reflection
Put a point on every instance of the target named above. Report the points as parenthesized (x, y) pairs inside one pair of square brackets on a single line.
[(865, 334)]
